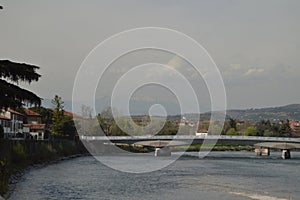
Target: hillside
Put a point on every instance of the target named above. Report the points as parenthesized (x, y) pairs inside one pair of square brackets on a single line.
[(273, 113)]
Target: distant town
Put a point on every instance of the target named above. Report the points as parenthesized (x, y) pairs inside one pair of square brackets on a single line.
[(39, 123)]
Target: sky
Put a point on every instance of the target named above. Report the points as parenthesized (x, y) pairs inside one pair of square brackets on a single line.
[(254, 43)]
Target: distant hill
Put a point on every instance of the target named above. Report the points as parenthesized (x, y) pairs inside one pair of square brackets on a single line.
[(273, 113)]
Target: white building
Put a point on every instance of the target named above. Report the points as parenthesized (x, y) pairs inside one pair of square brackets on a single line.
[(5, 123), (202, 133), (13, 123)]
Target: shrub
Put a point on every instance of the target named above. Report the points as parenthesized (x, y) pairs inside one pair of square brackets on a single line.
[(232, 131), (18, 154), (45, 152), (4, 176)]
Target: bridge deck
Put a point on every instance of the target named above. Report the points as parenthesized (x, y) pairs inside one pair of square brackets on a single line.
[(221, 139)]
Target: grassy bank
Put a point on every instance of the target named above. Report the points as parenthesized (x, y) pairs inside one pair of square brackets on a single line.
[(17, 155), (218, 147), (193, 147)]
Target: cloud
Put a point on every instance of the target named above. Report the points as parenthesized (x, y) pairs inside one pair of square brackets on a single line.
[(253, 72), (238, 71)]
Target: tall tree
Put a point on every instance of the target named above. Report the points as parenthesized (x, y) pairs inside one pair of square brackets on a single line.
[(284, 128), (58, 115), (11, 73), (232, 123), (106, 120)]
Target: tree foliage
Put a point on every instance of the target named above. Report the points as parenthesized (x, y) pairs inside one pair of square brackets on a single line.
[(169, 129), (251, 131), (11, 74), (232, 123), (106, 120), (232, 131), (57, 116), (46, 114), (284, 128), (61, 124)]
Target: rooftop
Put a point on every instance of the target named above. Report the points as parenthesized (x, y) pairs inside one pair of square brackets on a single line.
[(35, 126), (30, 112), (3, 117), (14, 112)]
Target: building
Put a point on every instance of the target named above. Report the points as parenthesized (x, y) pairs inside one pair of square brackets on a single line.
[(14, 128), (202, 132), (186, 122), (33, 122), (295, 125), (22, 125), (5, 123)]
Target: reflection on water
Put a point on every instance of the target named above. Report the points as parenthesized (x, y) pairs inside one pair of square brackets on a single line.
[(222, 175)]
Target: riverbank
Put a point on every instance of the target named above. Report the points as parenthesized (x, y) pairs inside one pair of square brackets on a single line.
[(17, 156), (193, 147), (218, 147)]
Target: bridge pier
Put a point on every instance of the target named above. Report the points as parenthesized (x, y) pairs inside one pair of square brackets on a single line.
[(166, 151), (286, 154), (262, 151)]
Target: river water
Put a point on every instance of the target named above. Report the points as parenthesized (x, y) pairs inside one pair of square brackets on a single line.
[(221, 175)]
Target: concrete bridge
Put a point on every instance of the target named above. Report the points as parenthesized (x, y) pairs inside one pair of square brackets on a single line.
[(263, 149), (163, 142)]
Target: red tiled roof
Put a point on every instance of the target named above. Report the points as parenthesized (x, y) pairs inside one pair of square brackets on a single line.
[(70, 114), (202, 131), (3, 117), (30, 112), (14, 112), (35, 126)]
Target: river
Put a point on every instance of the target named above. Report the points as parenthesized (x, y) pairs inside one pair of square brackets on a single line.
[(221, 175)]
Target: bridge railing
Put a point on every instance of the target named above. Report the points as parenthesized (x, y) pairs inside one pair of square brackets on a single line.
[(190, 137)]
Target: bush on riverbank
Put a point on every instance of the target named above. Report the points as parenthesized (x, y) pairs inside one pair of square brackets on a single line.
[(223, 147), (16, 155)]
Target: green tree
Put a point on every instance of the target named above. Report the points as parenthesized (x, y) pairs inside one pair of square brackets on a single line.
[(268, 133), (46, 114), (262, 126), (275, 129), (169, 128), (68, 127), (232, 123), (285, 129), (115, 130), (232, 131), (105, 119), (11, 73), (204, 125), (251, 131), (215, 129), (58, 116)]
